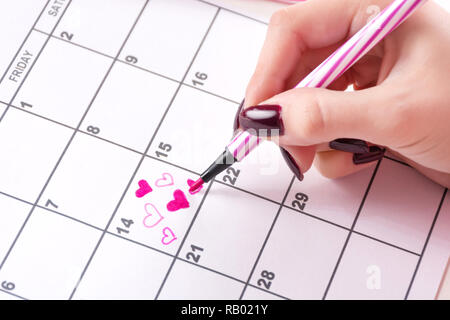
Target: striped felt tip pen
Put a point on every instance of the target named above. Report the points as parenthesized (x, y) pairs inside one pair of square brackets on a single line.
[(322, 76)]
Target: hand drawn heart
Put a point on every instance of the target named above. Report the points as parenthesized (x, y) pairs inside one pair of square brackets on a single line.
[(165, 181), (190, 183), (153, 216), (179, 201), (169, 236), (144, 188)]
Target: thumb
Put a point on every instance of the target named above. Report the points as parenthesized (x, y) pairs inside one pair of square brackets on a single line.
[(309, 116)]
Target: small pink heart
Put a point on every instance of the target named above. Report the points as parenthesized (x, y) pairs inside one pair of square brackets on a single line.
[(152, 214), (165, 181), (144, 188), (179, 201), (190, 183), (169, 235)]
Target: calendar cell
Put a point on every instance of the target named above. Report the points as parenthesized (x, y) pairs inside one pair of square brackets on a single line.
[(49, 256), (53, 12), (144, 214), (228, 56), (116, 16), (129, 114), (25, 11), (123, 270), (20, 67), (187, 281), (12, 216), (256, 294), (334, 200), (28, 157), (372, 270), (197, 127), (172, 31), (103, 171), (400, 206), (314, 246), (63, 82), (265, 163), (435, 258), (230, 233)]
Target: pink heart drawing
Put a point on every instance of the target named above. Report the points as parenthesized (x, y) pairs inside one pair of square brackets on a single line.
[(165, 181), (153, 216), (144, 188), (190, 183), (168, 234), (179, 201)]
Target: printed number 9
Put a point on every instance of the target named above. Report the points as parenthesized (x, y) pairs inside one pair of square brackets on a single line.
[(8, 285), (131, 59)]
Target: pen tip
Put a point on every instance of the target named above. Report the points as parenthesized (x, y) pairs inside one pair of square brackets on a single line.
[(196, 185)]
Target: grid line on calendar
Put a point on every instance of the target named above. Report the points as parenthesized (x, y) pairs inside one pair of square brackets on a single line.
[(33, 63), (140, 67), (351, 230), (148, 147), (144, 155), (266, 238), (426, 244), (6, 110)]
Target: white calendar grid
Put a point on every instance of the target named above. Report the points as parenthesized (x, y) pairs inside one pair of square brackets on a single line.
[(76, 254)]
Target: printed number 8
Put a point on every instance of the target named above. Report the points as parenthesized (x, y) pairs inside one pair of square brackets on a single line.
[(93, 130)]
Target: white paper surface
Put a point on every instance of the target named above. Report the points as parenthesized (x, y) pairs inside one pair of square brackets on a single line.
[(96, 96)]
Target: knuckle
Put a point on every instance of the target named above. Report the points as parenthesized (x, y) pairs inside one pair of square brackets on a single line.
[(313, 122), (279, 18)]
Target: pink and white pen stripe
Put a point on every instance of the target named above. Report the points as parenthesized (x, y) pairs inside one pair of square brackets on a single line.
[(341, 60)]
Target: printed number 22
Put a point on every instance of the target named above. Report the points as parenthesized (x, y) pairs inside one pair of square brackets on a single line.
[(232, 175)]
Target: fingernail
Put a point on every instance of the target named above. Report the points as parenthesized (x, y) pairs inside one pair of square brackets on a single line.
[(263, 117), (236, 117), (375, 153), (291, 164), (350, 145)]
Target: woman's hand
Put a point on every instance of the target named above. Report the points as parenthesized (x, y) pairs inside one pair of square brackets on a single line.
[(401, 99)]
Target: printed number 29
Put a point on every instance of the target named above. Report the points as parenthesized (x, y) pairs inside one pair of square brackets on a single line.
[(300, 201)]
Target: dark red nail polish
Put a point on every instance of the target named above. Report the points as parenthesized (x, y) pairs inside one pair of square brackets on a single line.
[(375, 153), (350, 145), (263, 117), (291, 164), (236, 117)]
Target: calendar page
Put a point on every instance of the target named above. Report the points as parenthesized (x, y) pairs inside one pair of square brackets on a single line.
[(110, 108)]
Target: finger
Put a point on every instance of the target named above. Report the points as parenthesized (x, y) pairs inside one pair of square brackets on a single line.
[(298, 159), (335, 164), (310, 116), (292, 31)]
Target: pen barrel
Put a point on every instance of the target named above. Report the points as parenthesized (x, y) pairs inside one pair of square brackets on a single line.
[(340, 61), (360, 43)]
